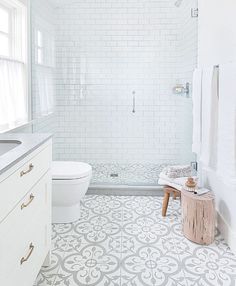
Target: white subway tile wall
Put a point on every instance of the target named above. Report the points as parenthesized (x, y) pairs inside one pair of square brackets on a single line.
[(107, 52)]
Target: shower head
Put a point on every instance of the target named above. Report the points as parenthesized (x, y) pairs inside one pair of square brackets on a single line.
[(178, 3)]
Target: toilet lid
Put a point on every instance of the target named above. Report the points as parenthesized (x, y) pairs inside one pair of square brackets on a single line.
[(67, 170)]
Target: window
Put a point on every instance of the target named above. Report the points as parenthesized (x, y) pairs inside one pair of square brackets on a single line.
[(13, 64)]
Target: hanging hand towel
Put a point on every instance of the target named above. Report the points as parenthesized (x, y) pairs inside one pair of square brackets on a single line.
[(227, 123), (214, 120), (209, 115), (197, 105)]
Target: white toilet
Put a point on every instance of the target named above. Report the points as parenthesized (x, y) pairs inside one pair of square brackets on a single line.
[(70, 182)]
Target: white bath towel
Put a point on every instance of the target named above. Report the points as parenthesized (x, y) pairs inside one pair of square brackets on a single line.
[(197, 110), (214, 120), (162, 182), (176, 183), (227, 123), (209, 116)]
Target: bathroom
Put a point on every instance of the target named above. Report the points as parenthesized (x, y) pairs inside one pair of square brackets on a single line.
[(100, 101)]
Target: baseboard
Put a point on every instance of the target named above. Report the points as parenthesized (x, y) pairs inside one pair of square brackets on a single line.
[(227, 232), (125, 190)]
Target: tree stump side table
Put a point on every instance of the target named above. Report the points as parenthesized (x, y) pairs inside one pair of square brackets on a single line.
[(198, 217)]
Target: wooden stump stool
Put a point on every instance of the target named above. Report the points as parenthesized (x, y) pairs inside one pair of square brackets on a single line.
[(167, 192), (198, 217)]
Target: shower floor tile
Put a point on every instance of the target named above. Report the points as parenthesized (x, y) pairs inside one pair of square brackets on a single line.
[(124, 241)]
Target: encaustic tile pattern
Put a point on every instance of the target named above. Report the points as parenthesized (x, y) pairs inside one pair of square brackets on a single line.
[(124, 241)]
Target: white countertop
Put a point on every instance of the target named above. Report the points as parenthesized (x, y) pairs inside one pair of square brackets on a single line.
[(29, 142)]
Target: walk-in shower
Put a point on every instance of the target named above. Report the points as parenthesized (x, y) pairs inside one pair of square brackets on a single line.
[(116, 64)]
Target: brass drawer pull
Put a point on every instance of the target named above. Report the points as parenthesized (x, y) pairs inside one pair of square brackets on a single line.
[(31, 167), (24, 259), (29, 202)]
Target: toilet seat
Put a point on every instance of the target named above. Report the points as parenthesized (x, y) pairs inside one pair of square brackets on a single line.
[(68, 170)]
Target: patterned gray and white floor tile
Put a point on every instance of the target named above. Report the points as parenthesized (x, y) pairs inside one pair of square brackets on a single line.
[(124, 241)]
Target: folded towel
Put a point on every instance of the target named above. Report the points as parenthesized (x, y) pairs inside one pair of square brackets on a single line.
[(197, 107), (162, 182), (177, 181), (178, 171)]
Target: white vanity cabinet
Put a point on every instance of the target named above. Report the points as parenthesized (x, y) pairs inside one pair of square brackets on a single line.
[(25, 218)]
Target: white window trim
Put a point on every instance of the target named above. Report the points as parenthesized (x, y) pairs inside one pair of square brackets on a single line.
[(29, 61)]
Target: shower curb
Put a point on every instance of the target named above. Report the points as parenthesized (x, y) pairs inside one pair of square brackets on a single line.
[(125, 190)]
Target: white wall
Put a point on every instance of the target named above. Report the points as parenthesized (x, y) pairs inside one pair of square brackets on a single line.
[(217, 44), (217, 36), (106, 50)]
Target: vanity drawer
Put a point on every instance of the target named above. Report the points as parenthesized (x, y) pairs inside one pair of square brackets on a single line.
[(22, 267), (25, 233), (17, 185)]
